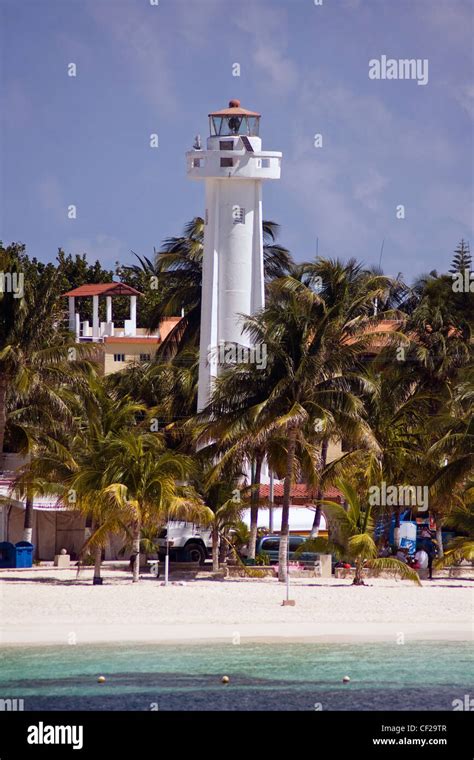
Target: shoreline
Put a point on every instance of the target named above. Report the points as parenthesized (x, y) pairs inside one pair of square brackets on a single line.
[(256, 634), (59, 609)]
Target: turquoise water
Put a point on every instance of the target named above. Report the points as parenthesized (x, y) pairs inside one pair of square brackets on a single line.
[(301, 676)]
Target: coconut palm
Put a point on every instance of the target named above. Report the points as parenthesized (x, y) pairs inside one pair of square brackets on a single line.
[(70, 460), (461, 519), (226, 507), (351, 530), (39, 363), (310, 376), (140, 481)]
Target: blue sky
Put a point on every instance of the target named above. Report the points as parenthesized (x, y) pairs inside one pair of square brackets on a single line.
[(144, 69)]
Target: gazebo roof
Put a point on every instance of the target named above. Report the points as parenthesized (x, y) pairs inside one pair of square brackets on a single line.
[(103, 289)]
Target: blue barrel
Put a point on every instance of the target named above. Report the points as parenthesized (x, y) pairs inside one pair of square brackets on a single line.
[(7, 554), (24, 554)]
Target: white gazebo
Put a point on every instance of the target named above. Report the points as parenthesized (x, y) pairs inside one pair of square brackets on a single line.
[(82, 330)]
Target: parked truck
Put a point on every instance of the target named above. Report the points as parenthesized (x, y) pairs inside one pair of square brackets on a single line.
[(185, 542)]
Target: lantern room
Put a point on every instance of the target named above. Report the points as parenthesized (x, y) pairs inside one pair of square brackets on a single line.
[(234, 121)]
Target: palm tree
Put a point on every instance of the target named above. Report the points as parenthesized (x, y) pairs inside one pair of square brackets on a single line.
[(461, 519), (351, 530), (140, 481), (227, 511), (309, 376), (38, 361), (70, 460)]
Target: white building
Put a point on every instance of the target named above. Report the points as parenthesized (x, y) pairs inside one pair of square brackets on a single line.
[(233, 168)]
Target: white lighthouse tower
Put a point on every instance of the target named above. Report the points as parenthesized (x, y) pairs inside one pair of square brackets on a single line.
[(233, 167)]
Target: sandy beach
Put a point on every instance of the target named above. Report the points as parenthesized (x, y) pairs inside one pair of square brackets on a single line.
[(55, 608)]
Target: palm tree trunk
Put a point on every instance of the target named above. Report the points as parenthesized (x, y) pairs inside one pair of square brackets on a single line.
[(256, 474), (285, 512), (97, 562), (28, 521), (396, 530), (358, 580), (319, 496), (3, 410), (439, 537), (136, 551), (215, 549)]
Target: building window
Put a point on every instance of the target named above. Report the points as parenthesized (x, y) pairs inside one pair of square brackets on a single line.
[(198, 162), (119, 357), (238, 214), (145, 357), (226, 144), (226, 162)]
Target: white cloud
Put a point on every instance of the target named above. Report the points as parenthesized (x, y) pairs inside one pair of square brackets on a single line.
[(464, 94), (267, 27), (368, 190), (141, 40), (104, 248), (18, 113), (51, 197)]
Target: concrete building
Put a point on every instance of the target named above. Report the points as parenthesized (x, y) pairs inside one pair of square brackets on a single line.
[(117, 347), (233, 169)]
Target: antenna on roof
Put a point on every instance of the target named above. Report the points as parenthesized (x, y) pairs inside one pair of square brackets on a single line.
[(381, 252), (197, 143), (376, 302)]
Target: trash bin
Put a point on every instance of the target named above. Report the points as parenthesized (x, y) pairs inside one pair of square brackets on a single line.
[(7, 554), (24, 554)]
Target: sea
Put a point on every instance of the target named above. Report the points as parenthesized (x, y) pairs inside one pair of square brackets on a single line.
[(417, 675)]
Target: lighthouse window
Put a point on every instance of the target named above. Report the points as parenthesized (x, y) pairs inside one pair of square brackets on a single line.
[(227, 162), (238, 214), (226, 144)]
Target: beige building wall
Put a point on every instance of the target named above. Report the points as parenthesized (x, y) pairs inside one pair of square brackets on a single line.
[(131, 352)]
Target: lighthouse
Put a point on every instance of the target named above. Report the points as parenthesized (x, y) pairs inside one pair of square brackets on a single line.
[(233, 168)]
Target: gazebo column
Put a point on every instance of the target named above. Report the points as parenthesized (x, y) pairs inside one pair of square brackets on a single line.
[(108, 306), (95, 316), (72, 313), (133, 314)]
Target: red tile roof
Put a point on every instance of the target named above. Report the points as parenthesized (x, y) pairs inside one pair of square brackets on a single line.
[(103, 289), (299, 491)]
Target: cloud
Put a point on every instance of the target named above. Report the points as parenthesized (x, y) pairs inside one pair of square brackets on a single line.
[(19, 111), (267, 27), (101, 247), (141, 41), (368, 190), (194, 21), (464, 94), (51, 197), (454, 18), (281, 71)]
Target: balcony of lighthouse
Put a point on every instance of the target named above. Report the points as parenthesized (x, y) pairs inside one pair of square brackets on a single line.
[(236, 162)]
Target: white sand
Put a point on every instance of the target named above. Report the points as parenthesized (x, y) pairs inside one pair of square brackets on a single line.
[(48, 607)]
